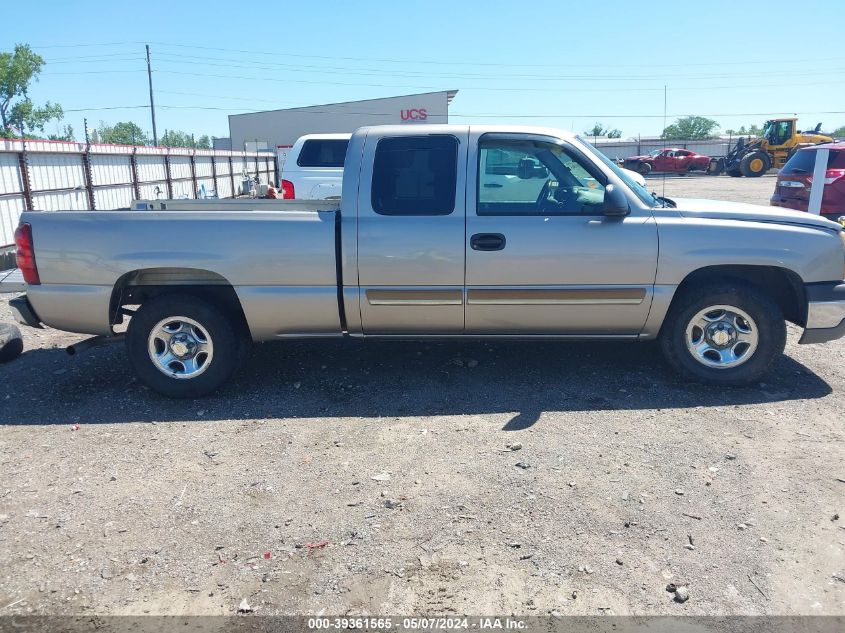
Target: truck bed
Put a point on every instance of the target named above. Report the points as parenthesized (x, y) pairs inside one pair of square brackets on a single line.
[(262, 254)]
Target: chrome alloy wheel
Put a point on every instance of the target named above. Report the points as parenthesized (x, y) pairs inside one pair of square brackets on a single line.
[(722, 336), (180, 347)]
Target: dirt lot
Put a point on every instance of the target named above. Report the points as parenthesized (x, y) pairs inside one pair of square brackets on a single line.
[(400, 478)]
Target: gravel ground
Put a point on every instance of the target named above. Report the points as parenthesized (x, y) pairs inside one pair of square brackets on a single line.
[(400, 478)]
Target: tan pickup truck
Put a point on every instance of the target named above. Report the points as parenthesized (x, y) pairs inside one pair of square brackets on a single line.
[(442, 231)]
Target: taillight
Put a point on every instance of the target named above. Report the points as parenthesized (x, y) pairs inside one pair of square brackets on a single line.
[(25, 255), (832, 175), (288, 192)]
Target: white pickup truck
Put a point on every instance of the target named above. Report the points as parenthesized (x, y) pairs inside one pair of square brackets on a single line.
[(313, 169), (563, 245)]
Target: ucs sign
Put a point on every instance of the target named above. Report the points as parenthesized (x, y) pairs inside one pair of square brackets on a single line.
[(413, 114)]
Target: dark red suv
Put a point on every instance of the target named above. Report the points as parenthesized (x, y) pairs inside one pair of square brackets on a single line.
[(795, 178)]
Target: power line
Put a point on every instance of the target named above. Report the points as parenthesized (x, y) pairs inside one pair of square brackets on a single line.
[(104, 108), (345, 70), (409, 86), (96, 72), (86, 45), (533, 64), (199, 61), (122, 58), (312, 110), (493, 64)]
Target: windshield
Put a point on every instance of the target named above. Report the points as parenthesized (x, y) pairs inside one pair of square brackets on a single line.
[(767, 128), (655, 153), (640, 191)]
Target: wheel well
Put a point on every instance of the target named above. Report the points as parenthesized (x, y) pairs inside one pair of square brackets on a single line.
[(781, 284), (139, 286)]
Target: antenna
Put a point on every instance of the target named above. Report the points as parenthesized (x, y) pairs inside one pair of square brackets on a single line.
[(663, 194)]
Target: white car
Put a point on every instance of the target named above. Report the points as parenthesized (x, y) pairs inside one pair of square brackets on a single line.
[(313, 169)]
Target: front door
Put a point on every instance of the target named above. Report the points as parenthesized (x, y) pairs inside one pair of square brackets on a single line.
[(411, 212), (541, 258), (665, 161)]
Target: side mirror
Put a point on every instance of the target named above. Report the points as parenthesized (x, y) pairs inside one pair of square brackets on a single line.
[(528, 168), (615, 202), (525, 169)]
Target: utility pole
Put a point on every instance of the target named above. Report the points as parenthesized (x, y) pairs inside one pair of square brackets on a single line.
[(152, 104)]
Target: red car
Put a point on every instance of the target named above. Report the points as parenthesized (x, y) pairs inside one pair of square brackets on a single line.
[(795, 178), (669, 159)]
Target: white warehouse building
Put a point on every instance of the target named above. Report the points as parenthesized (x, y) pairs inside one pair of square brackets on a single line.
[(281, 128)]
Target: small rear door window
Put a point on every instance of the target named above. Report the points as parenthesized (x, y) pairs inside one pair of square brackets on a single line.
[(323, 153), (415, 175)]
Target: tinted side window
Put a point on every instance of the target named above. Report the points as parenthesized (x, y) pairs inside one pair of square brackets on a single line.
[(804, 161), (535, 178), (415, 175), (323, 153)]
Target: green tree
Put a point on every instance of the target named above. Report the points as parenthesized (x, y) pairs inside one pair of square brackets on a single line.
[(25, 116), (753, 130), (204, 142), (599, 130), (838, 132), (125, 132), (66, 134), (17, 71), (176, 138), (596, 130), (691, 127)]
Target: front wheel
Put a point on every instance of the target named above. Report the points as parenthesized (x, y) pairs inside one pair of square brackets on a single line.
[(725, 333), (182, 346), (755, 164)]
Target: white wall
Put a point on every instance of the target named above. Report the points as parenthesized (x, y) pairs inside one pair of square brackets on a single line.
[(283, 127)]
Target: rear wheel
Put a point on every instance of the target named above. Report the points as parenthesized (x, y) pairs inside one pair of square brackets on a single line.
[(726, 333), (11, 343), (755, 164), (182, 346)]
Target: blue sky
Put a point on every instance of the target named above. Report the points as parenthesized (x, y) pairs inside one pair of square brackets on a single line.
[(557, 63)]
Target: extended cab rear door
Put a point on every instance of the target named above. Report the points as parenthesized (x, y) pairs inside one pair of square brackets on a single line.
[(411, 213)]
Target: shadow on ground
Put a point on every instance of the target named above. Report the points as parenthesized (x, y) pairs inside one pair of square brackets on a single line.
[(349, 378)]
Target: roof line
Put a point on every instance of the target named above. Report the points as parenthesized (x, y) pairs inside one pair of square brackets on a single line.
[(450, 94)]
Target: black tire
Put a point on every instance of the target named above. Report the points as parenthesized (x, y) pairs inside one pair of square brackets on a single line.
[(227, 345), (11, 343), (755, 164), (644, 169), (767, 321), (734, 173), (716, 166)]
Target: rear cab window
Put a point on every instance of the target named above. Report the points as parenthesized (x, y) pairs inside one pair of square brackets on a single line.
[(415, 175), (323, 153)]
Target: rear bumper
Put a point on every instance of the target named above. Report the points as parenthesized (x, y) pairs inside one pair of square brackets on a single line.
[(825, 312), (23, 313)]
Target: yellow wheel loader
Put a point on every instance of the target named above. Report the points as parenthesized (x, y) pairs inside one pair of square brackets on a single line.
[(779, 141)]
